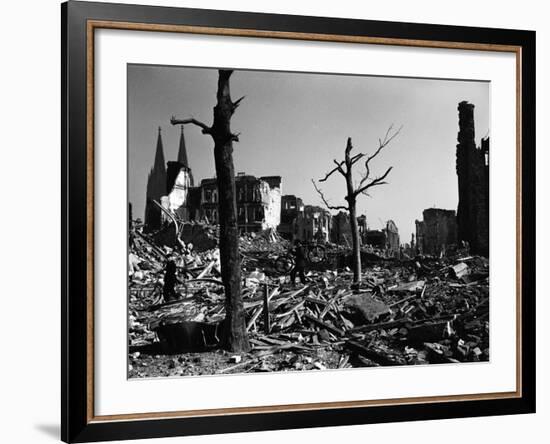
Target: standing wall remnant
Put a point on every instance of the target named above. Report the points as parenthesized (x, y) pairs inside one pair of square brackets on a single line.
[(313, 223), (392, 237), (291, 206), (472, 168), (258, 202), (436, 232)]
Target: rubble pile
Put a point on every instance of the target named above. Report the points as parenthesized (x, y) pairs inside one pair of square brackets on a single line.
[(414, 311)]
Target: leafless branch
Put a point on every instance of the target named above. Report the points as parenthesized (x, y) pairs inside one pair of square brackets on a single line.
[(331, 172), (383, 143), (205, 128), (237, 102), (373, 183), (363, 179), (357, 157), (330, 207)]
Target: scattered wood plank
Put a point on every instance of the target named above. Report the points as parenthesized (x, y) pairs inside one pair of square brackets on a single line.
[(325, 325), (371, 354)]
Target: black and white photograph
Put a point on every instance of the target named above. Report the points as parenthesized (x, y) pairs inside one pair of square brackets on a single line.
[(288, 221)]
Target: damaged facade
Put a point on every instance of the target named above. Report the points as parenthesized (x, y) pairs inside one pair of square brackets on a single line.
[(291, 206), (258, 202), (260, 206), (472, 168), (172, 186), (313, 224), (392, 236), (386, 239), (341, 229), (437, 232)]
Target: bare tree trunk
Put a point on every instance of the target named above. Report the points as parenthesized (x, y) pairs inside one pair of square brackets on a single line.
[(356, 242), (352, 192), (235, 335), (236, 338), (352, 210)]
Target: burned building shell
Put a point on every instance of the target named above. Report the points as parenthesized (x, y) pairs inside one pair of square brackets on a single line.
[(258, 202), (172, 185), (436, 232), (472, 168), (386, 239), (313, 224), (291, 206), (341, 229), (392, 236), (260, 206)]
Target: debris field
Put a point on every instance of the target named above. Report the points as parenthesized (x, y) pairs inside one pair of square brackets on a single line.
[(408, 311)]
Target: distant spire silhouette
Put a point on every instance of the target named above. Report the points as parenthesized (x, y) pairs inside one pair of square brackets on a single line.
[(156, 187), (182, 156), (159, 155)]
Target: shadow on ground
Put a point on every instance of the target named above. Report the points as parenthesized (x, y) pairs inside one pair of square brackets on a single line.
[(51, 430)]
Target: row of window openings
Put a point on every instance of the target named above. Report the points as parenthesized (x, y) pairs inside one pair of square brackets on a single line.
[(254, 214), (211, 196)]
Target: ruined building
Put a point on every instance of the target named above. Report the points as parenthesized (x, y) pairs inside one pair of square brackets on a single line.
[(313, 224), (437, 232), (258, 202), (303, 222), (258, 199), (291, 206), (156, 188), (392, 236), (472, 168), (341, 228), (179, 184), (386, 239)]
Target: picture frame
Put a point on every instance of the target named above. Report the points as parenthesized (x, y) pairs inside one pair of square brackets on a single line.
[(80, 22)]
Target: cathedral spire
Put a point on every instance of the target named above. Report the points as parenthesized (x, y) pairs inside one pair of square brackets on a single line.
[(159, 164), (156, 188), (182, 155)]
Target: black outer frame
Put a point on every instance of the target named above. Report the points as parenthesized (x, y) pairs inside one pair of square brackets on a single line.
[(74, 424)]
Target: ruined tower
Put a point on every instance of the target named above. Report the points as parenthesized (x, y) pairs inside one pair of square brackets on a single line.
[(473, 184), (156, 188)]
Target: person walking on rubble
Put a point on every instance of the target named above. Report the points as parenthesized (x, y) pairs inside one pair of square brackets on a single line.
[(299, 263), (170, 280)]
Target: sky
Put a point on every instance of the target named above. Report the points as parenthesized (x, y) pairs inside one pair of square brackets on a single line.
[(294, 125)]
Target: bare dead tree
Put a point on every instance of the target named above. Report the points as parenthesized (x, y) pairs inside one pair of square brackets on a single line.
[(235, 337), (345, 167)]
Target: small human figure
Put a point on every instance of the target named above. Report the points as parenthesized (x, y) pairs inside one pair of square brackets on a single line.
[(170, 280), (299, 263)]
